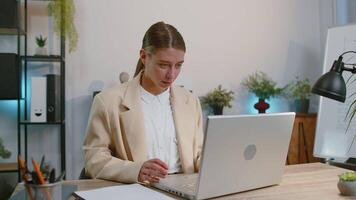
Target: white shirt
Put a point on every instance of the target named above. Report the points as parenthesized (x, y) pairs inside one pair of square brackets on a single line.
[(160, 131)]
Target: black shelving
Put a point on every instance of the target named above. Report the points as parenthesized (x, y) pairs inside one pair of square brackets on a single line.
[(11, 99), (42, 123), (12, 31), (51, 58), (25, 121), (22, 105)]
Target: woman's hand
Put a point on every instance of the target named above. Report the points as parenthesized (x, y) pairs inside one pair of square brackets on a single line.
[(152, 170)]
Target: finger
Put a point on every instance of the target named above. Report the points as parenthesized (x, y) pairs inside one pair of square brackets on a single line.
[(153, 172), (157, 166), (161, 163), (153, 179), (158, 170), (150, 178)]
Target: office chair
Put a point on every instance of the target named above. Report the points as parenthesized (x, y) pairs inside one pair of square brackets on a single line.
[(83, 175)]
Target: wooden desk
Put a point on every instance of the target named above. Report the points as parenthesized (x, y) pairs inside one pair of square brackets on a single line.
[(311, 181)]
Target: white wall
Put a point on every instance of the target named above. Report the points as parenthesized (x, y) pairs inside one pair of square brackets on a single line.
[(226, 41)]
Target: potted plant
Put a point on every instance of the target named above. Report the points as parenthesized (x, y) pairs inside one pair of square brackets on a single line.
[(263, 87), (41, 43), (4, 153), (217, 99), (300, 91), (347, 183), (64, 10)]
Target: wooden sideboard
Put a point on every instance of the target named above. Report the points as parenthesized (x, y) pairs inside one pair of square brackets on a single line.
[(302, 140)]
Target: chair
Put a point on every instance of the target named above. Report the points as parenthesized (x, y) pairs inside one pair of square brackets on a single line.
[(83, 175)]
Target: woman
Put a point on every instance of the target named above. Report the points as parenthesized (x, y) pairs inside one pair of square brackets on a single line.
[(146, 128)]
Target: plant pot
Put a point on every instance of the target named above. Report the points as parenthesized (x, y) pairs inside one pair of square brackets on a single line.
[(347, 188), (41, 51), (302, 105), (261, 106), (217, 110)]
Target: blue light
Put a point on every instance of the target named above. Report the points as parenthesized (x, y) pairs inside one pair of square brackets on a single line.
[(9, 104), (23, 85)]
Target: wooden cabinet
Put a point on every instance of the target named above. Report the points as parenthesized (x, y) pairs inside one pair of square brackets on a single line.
[(302, 139)]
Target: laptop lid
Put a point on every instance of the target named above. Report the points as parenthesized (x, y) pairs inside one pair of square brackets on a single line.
[(243, 152)]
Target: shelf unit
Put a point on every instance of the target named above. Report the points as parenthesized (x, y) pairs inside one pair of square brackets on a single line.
[(22, 108)]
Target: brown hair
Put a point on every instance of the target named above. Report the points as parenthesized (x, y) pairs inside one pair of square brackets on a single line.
[(160, 35)]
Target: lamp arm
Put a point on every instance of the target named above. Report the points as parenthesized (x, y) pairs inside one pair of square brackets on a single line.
[(346, 52), (339, 65), (352, 70)]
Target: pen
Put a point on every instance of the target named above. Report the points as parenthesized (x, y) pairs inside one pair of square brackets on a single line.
[(23, 169), (38, 172), (25, 175), (40, 177)]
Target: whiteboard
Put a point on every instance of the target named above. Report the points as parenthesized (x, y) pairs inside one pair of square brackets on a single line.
[(333, 140)]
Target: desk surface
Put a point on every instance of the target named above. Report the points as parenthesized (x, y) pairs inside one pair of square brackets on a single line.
[(305, 181)]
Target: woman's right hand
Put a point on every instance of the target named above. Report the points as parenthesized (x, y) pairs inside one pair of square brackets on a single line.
[(152, 170)]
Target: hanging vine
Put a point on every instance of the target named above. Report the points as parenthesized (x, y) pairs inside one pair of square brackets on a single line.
[(67, 15)]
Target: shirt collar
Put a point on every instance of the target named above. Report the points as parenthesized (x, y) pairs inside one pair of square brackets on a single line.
[(149, 98)]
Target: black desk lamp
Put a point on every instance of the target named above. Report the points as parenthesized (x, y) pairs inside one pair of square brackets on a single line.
[(332, 84)]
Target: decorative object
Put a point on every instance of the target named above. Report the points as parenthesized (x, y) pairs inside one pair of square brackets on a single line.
[(64, 10), (332, 85), (347, 183), (124, 77), (41, 43), (217, 99), (261, 106), (300, 91), (4, 153), (263, 87)]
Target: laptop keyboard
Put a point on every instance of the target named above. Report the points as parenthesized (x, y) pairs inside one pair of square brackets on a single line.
[(186, 183)]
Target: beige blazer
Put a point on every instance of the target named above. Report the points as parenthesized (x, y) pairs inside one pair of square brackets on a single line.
[(115, 144)]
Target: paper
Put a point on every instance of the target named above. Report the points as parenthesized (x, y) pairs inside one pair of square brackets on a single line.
[(127, 192)]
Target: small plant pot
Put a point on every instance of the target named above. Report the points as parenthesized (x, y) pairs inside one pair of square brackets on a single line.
[(347, 188), (41, 51), (217, 110), (302, 105)]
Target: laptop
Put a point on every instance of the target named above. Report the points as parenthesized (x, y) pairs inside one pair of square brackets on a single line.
[(240, 153)]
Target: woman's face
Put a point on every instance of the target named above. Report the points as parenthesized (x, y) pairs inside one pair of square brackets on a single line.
[(161, 68)]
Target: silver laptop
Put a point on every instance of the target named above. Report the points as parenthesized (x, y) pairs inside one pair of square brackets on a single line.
[(240, 152)]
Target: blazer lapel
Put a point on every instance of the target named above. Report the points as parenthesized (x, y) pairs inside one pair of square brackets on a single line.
[(132, 121), (180, 103)]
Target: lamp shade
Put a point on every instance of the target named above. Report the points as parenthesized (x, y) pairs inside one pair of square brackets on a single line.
[(331, 85)]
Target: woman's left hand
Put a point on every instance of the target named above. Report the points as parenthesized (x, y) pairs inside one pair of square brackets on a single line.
[(152, 170)]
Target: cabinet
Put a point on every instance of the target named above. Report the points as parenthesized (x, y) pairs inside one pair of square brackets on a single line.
[(302, 140), (26, 61)]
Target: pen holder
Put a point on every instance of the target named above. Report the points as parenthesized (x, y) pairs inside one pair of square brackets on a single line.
[(52, 191)]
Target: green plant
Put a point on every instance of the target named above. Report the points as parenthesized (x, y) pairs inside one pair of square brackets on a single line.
[(298, 89), (4, 153), (218, 97), (64, 10), (41, 41), (261, 85), (347, 176)]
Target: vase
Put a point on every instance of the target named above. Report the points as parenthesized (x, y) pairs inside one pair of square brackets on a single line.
[(261, 106), (217, 110), (347, 188)]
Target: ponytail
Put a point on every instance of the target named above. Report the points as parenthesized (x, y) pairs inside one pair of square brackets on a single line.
[(139, 67)]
